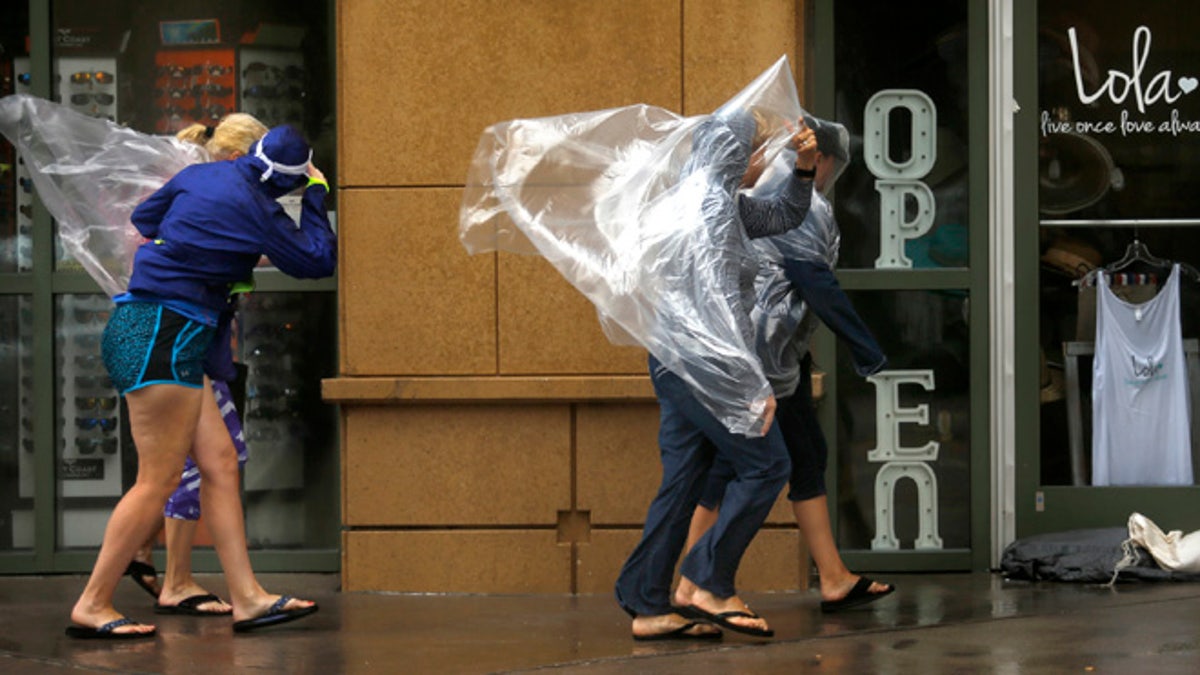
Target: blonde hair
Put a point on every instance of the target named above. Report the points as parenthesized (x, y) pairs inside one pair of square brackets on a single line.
[(766, 124), (235, 133)]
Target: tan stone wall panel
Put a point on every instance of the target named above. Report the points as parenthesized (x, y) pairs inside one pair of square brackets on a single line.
[(546, 326), (412, 301), (598, 561), (457, 561), (773, 562), (616, 460), (419, 80), (456, 465), (727, 44), (618, 466)]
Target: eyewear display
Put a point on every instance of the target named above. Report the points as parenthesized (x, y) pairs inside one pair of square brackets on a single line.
[(85, 77), (89, 361), (99, 97), (96, 402), (102, 423), (93, 382), (88, 446), (84, 315), (214, 112)]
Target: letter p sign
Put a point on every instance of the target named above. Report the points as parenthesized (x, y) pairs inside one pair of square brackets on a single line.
[(899, 183)]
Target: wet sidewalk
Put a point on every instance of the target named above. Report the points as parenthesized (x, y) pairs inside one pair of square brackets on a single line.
[(945, 623)]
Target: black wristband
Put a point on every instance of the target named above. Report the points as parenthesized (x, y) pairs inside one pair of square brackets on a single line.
[(804, 173)]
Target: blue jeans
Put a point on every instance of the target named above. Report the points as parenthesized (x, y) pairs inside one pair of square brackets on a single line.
[(796, 417), (689, 438)]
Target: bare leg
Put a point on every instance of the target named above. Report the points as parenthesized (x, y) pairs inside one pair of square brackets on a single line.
[(178, 582), (221, 504), (702, 519), (163, 419), (812, 517)]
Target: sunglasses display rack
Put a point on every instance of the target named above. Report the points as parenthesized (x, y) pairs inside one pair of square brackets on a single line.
[(88, 85), (21, 186), (25, 458), (89, 408), (271, 337), (193, 86), (273, 85), (283, 412), (8, 184)]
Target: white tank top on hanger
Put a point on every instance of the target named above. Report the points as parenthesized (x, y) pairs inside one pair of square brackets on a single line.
[(1141, 432)]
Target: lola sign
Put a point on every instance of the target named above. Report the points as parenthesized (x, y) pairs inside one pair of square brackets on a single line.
[(1119, 85)]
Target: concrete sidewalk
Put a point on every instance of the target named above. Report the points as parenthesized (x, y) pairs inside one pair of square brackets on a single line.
[(944, 623)]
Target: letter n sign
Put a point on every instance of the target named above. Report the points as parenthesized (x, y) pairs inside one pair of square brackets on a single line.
[(898, 182)]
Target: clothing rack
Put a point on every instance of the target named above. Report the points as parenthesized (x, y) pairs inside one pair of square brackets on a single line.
[(1137, 252)]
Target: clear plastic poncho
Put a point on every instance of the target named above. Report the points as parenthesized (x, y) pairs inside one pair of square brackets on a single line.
[(636, 207), (91, 174)]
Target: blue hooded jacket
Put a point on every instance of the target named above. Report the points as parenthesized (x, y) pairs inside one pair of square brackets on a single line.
[(210, 224)]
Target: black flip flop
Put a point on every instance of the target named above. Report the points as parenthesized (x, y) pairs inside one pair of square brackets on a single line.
[(275, 615), (680, 633), (191, 606), (722, 619), (858, 596), (138, 570), (105, 632)]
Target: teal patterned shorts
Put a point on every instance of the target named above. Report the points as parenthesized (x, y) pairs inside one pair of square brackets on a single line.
[(146, 343)]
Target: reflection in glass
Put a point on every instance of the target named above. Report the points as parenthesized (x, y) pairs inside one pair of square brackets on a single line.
[(16, 428), (924, 334), (160, 78), (290, 432), (930, 56), (95, 457)]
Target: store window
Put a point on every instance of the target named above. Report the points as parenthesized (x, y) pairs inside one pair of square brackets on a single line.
[(1118, 149), (156, 67), (902, 94), (159, 67), (904, 436), (16, 313)]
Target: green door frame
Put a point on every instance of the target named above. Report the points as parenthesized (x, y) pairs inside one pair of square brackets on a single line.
[(42, 286), (975, 280), (1052, 508)]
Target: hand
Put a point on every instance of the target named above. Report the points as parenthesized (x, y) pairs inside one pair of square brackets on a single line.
[(768, 415), (316, 173), (804, 140)]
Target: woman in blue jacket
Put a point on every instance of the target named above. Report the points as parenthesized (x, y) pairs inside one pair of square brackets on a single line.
[(207, 229)]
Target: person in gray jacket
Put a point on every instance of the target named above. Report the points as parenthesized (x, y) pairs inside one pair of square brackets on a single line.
[(796, 288)]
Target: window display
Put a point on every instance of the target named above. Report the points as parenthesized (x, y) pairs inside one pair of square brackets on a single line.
[(1117, 142), (157, 67)]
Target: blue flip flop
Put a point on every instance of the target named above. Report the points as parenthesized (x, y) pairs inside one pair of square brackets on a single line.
[(105, 632), (274, 616)]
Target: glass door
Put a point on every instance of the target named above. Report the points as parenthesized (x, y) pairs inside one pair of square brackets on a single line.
[(909, 480)]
